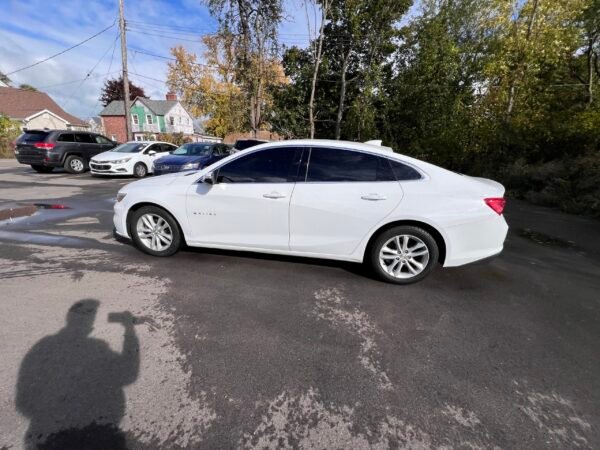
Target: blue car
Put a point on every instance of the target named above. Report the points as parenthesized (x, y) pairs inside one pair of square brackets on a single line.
[(191, 156)]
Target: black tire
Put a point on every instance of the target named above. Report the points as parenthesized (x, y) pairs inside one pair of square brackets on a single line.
[(406, 262), (140, 170), (175, 232), (75, 164), (42, 169)]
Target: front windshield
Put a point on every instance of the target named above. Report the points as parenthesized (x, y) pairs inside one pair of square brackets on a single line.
[(193, 149), (130, 147)]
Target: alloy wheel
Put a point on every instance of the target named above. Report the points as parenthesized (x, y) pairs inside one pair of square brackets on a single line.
[(77, 165), (404, 256), (154, 232)]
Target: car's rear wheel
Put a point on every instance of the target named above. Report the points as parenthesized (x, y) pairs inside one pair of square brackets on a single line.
[(75, 164), (140, 170), (42, 169), (155, 231), (403, 254)]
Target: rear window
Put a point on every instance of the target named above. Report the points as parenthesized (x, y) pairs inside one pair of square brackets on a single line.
[(31, 137)]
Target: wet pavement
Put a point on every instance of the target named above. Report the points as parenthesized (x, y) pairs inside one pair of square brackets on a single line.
[(105, 347)]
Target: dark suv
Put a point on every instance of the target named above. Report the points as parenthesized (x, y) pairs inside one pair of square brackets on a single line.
[(44, 150)]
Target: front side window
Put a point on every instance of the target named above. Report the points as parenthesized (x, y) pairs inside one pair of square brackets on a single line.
[(102, 140), (149, 119), (338, 165), (273, 165)]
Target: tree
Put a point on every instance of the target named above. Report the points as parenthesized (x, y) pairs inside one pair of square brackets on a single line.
[(9, 131), (113, 90), (253, 25), (27, 87)]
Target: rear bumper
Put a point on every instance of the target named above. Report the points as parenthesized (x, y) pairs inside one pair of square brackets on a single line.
[(475, 241), (41, 160)]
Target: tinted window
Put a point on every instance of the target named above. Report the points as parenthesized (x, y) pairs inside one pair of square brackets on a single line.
[(31, 137), (337, 165), (194, 149), (167, 147), (85, 138), (273, 165), (243, 144), (402, 172), (101, 139), (66, 137)]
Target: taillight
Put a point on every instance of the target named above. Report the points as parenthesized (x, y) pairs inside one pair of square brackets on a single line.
[(496, 203), (44, 145)]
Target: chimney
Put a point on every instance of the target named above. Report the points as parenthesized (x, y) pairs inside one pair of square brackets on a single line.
[(172, 96)]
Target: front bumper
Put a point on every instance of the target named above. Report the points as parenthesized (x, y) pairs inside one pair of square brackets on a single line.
[(120, 219), (108, 168)]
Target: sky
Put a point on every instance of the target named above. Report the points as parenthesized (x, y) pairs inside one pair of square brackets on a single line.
[(33, 30)]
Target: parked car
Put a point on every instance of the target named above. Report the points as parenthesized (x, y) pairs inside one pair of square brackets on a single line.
[(191, 156), (326, 199), (44, 150), (243, 144), (132, 158)]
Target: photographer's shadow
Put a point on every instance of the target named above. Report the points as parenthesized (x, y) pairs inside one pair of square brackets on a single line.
[(70, 385)]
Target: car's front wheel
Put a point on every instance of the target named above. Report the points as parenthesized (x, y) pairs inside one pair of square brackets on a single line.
[(42, 169), (140, 170), (155, 231), (403, 254)]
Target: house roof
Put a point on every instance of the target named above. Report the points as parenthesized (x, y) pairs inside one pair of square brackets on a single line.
[(23, 103), (158, 107)]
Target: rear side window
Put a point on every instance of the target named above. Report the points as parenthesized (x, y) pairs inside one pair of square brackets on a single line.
[(66, 137), (273, 165), (339, 165), (85, 138), (402, 172), (31, 137)]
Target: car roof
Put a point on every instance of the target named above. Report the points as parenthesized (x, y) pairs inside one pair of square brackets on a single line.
[(384, 151)]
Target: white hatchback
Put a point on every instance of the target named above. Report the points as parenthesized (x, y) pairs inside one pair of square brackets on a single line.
[(324, 199), (132, 158)]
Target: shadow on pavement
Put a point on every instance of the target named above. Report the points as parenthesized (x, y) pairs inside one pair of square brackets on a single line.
[(70, 385)]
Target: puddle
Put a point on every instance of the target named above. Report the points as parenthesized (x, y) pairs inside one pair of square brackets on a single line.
[(544, 239)]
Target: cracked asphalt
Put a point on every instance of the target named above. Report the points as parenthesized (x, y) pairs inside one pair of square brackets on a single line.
[(105, 347)]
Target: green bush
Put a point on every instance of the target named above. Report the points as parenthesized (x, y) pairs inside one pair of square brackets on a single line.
[(9, 131), (572, 185)]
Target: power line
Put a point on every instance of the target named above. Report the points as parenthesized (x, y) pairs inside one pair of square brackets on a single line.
[(91, 71), (64, 51)]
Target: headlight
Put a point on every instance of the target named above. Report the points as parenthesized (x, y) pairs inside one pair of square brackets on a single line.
[(120, 161), (120, 196), (195, 165)]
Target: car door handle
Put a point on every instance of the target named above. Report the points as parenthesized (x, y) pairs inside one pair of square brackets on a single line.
[(274, 195), (374, 197)]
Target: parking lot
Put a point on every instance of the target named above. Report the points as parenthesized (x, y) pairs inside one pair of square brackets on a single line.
[(217, 349)]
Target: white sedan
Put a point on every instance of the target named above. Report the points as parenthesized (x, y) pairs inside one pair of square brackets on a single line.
[(325, 199), (132, 158)]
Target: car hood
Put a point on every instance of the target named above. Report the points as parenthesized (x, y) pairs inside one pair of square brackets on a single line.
[(179, 160), (112, 156), (162, 180)]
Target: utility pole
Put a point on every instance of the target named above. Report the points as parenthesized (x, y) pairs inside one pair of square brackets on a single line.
[(125, 76)]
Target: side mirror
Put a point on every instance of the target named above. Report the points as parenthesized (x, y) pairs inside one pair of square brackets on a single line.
[(209, 178), (152, 152)]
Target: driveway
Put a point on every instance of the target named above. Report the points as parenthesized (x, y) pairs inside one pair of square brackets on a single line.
[(105, 347)]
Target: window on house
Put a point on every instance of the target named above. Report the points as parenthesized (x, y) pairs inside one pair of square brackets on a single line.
[(149, 119), (172, 120), (136, 119), (113, 137), (179, 120)]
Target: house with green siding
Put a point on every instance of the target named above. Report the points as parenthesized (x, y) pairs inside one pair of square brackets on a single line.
[(148, 118)]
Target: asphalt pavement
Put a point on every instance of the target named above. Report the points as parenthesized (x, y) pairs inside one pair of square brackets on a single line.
[(105, 347)]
